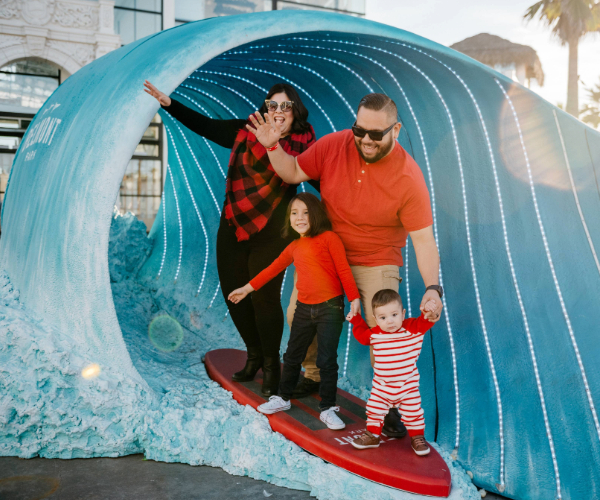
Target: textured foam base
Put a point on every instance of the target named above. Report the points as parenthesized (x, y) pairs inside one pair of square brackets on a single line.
[(48, 409)]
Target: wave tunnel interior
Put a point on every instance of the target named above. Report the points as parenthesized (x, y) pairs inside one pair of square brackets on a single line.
[(510, 377)]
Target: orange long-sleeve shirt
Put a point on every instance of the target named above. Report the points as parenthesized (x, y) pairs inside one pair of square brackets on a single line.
[(323, 270)]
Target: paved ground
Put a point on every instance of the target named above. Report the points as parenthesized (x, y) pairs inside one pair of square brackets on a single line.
[(130, 478)]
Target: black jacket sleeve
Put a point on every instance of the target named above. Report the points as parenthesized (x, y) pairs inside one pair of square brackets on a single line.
[(221, 132)]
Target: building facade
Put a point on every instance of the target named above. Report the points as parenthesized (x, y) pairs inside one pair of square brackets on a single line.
[(43, 42)]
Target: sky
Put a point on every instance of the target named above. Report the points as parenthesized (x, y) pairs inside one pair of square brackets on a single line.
[(450, 21)]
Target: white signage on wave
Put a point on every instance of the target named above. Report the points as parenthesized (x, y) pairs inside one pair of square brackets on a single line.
[(42, 132)]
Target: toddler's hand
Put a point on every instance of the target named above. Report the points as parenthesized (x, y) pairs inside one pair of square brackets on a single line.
[(429, 306), (354, 309), (240, 293)]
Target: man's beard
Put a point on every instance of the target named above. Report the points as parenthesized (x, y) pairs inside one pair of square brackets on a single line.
[(383, 150)]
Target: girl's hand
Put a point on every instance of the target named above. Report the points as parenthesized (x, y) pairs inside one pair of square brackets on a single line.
[(161, 97), (240, 293), (354, 309), (267, 133)]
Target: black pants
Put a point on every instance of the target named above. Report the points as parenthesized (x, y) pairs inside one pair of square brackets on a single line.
[(259, 317), (325, 320)]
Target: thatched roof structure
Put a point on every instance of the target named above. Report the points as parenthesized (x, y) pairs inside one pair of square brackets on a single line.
[(492, 50)]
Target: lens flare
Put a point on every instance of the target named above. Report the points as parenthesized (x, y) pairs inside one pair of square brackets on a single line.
[(165, 333), (91, 371)]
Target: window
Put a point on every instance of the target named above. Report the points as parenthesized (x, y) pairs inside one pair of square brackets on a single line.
[(233, 7), (135, 19), (12, 129), (189, 10), (27, 84), (142, 184), (353, 7)]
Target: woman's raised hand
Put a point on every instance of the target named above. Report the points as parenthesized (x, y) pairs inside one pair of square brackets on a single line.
[(161, 97), (240, 293), (267, 133)]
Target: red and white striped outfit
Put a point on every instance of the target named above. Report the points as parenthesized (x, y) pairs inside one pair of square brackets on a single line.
[(396, 378)]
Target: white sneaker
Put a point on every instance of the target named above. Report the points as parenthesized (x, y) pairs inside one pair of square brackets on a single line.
[(331, 419), (274, 405)]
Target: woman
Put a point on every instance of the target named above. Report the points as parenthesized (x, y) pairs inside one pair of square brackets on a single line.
[(249, 236)]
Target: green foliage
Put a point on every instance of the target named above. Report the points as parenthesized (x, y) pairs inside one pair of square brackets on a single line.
[(590, 113), (569, 20)]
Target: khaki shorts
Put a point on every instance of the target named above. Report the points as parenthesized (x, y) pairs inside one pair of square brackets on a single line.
[(369, 281)]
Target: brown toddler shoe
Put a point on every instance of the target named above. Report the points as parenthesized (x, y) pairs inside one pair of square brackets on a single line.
[(367, 440), (419, 445)]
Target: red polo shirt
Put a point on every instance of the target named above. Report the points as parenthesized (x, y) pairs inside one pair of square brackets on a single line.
[(372, 206)]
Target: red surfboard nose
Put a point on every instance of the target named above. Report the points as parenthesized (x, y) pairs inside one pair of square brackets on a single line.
[(393, 464)]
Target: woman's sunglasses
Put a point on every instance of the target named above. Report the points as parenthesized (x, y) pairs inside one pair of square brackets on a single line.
[(273, 105), (375, 135)]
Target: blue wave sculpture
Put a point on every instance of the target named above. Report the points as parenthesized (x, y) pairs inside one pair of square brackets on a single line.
[(510, 376)]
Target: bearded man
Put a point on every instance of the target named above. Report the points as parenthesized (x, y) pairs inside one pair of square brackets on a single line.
[(375, 195)]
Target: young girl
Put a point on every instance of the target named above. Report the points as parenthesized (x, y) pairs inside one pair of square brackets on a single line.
[(323, 276)]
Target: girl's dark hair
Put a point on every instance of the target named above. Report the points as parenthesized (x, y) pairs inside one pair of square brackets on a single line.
[(317, 217), (300, 124)]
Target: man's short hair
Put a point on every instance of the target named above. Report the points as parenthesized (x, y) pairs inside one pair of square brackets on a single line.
[(385, 297), (379, 102)]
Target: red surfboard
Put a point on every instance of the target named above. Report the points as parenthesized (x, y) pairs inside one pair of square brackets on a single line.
[(393, 464)]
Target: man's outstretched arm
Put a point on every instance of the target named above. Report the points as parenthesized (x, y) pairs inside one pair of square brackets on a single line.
[(428, 260)]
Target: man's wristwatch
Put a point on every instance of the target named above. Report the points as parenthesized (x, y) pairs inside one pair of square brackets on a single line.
[(437, 288)]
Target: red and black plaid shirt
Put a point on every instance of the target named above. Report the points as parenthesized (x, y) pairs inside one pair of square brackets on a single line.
[(253, 188)]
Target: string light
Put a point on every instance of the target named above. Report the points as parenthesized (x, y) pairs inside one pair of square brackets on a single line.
[(295, 85), (214, 296), (306, 68), (552, 270), (235, 77), (205, 141), (162, 262), (178, 219), (195, 206), (252, 105), (328, 59), (585, 228), (408, 308), (347, 348), (488, 348), (283, 282), (197, 164), (432, 194), (210, 96)]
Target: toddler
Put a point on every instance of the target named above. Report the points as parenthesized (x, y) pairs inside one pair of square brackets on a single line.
[(396, 347)]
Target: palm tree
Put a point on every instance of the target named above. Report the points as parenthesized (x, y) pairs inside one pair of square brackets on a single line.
[(570, 21), (590, 113)]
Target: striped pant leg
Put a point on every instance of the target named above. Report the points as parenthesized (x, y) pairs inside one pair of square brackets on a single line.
[(410, 407), (378, 406)]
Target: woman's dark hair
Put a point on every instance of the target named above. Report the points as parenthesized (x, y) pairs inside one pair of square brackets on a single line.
[(317, 217), (300, 124)]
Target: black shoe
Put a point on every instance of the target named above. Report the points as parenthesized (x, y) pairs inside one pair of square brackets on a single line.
[(393, 426), (253, 364), (271, 376), (306, 387)]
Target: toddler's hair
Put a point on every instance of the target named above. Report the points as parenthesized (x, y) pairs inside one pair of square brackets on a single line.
[(384, 297), (317, 217)]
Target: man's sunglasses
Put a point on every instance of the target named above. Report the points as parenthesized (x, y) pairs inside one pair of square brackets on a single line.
[(273, 105), (375, 135)]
